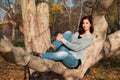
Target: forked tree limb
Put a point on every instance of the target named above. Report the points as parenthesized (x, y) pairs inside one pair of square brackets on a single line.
[(102, 45), (18, 56)]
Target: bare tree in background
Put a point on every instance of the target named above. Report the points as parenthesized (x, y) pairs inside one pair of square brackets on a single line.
[(101, 46)]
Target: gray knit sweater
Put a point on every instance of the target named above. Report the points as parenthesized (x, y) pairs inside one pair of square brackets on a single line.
[(78, 46)]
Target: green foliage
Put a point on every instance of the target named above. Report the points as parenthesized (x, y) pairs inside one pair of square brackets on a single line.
[(54, 10), (57, 8)]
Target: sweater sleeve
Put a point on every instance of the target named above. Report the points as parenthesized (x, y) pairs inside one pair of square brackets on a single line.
[(79, 46)]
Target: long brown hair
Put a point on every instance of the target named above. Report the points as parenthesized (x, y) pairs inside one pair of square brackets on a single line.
[(81, 30)]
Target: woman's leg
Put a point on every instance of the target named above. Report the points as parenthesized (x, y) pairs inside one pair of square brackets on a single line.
[(63, 56), (63, 48), (67, 35), (71, 61)]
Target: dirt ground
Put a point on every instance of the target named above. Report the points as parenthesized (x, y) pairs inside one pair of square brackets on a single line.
[(107, 68)]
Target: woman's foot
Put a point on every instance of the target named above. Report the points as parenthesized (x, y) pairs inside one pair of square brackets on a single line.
[(35, 54), (53, 46)]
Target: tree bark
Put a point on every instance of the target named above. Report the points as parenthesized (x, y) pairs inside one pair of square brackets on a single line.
[(18, 55), (35, 26), (43, 27), (102, 45)]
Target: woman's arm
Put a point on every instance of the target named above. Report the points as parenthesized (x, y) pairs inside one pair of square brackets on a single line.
[(75, 46)]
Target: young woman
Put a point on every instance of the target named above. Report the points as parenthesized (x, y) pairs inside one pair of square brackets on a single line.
[(72, 47)]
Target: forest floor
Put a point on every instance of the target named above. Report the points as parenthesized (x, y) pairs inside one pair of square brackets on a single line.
[(108, 68)]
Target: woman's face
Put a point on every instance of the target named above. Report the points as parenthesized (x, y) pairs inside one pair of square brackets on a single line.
[(86, 24)]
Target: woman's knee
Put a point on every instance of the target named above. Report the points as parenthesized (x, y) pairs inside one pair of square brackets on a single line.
[(67, 34), (61, 53)]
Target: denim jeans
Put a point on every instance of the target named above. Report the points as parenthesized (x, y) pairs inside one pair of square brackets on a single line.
[(62, 54)]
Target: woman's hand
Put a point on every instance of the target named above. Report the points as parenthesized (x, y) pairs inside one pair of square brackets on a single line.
[(60, 38)]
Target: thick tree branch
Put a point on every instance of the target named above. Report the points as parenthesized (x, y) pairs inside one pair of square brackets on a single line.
[(100, 47), (20, 57)]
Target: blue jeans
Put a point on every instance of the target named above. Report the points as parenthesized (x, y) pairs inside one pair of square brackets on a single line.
[(62, 54)]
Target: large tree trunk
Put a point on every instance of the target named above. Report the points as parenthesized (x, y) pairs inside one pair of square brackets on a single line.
[(18, 55), (35, 26), (102, 45)]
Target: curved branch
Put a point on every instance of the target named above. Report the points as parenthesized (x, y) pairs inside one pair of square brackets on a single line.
[(19, 56), (100, 47)]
